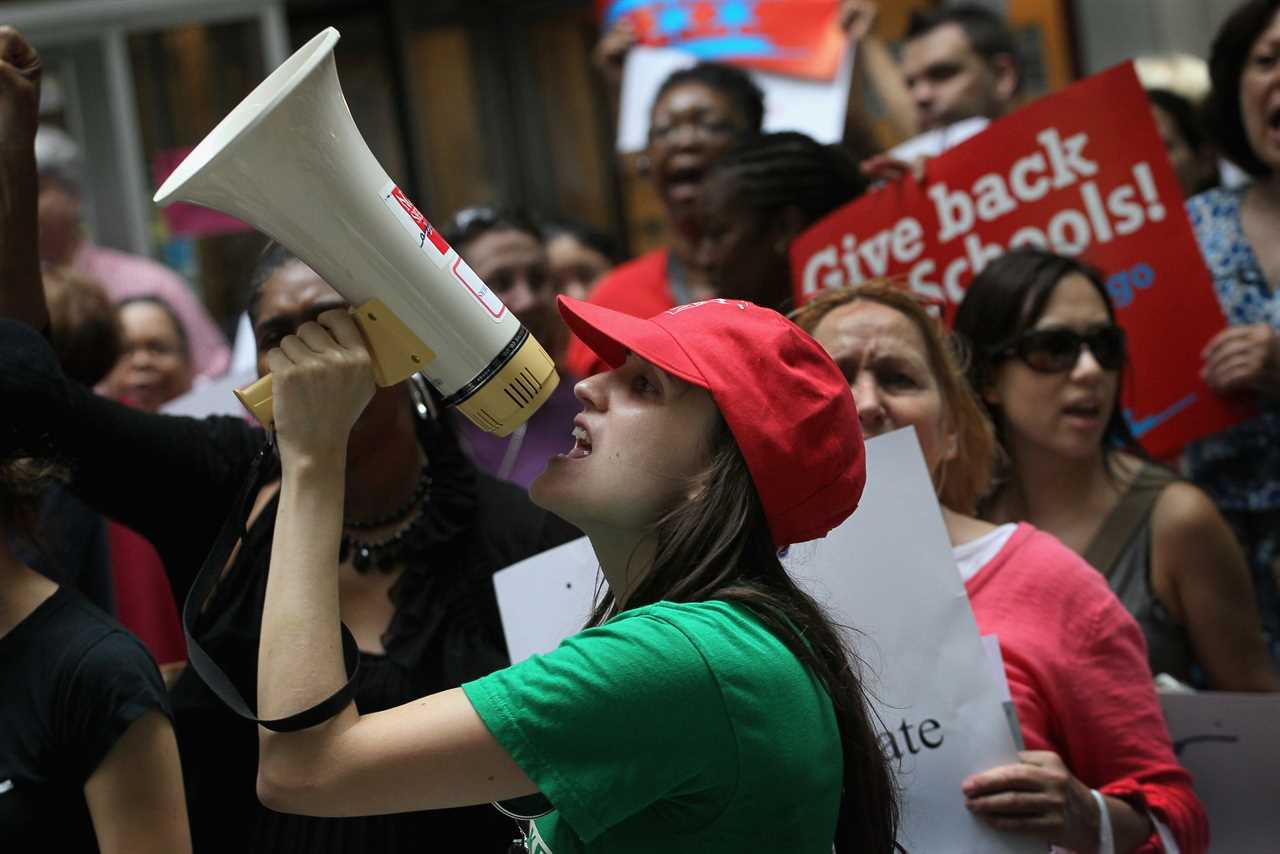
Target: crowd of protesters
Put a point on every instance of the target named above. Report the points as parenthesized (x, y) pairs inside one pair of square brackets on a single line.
[(703, 422)]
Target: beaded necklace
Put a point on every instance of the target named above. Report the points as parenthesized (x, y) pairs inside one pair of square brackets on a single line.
[(388, 553)]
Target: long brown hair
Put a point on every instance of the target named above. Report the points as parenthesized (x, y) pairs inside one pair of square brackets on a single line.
[(717, 546), (965, 478)]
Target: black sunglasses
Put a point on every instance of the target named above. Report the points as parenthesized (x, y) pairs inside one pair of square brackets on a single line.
[(1053, 351)]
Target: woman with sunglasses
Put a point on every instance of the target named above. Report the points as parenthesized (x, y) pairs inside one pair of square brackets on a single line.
[(1098, 769), (1047, 358), (710, 706)]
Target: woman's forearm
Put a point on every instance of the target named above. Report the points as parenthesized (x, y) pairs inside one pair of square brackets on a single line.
[(300, 660), (884, 76), (21, 286), (1129, 827)]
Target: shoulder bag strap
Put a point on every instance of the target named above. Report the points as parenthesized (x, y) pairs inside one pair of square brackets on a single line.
[(1134, 508), (233, 531)]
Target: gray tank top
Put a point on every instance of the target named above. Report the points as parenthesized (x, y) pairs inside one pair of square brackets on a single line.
[(1121, 551)]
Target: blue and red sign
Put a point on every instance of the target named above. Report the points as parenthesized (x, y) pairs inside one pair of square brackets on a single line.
[(797, 37)]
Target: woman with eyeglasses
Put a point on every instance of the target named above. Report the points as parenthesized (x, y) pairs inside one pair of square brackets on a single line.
[(155, 364), (1098, 771), (1047, 359), (698, 114)]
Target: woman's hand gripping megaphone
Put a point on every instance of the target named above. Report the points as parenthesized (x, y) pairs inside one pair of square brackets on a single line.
[(395, 353), (324, 379)]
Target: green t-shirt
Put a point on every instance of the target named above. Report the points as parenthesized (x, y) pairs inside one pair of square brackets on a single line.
[(673, 728)]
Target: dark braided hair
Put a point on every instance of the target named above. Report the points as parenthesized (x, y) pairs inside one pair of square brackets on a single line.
[(774, 171)]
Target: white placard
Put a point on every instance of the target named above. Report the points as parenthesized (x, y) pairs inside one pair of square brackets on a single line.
[(213, 397), (888, 571), (934, 142), (790, 103), (1231, 745)]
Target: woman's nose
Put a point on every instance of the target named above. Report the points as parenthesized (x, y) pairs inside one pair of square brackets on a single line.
[(705, 256), (591, 391), (1087, 366), (520, 298), (866, 397)]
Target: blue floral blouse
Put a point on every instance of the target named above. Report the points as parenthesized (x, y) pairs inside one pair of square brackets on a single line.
[(1239, 467)]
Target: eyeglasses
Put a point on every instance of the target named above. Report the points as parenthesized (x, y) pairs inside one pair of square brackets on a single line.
[(703, 128), (1053, 351)]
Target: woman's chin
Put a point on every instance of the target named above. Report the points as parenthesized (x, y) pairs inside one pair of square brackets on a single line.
[(544, 492)]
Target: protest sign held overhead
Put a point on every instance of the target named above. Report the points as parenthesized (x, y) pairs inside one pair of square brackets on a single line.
[(794, 37), (1083, 173), (794, 50)]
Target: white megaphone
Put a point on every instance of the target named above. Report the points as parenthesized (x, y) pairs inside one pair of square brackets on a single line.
[(289, 161)]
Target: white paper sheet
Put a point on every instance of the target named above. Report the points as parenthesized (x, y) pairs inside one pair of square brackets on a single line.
[(934, 142)]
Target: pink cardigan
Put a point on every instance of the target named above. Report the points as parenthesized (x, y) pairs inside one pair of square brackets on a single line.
[(1077, 669)]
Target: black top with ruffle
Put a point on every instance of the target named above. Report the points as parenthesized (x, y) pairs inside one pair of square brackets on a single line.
[(172, 479)]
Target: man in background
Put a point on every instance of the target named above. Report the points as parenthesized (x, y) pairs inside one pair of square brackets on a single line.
[(958, 63), (63, 244)]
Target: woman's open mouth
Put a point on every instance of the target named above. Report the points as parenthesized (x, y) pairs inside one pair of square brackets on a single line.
[(581, 444)]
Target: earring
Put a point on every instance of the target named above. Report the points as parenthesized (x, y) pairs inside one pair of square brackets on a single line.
[(423, 404)]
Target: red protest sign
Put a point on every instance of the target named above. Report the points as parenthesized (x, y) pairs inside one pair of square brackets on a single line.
[(1084, 173), (797, 37)]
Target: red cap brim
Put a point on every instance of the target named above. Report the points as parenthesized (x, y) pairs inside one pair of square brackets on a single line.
[(611, 335)]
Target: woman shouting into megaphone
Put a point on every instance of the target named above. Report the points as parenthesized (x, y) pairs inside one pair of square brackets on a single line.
[(708, 706)]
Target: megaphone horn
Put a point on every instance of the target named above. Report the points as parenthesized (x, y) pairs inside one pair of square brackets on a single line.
[(290, 161)]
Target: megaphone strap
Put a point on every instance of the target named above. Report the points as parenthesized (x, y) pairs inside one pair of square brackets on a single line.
[(233, 531)]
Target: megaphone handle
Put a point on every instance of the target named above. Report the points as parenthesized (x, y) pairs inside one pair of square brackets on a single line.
[(257, 399), (396, 351)]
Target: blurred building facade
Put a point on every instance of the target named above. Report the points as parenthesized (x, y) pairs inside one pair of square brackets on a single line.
[(463, 102)]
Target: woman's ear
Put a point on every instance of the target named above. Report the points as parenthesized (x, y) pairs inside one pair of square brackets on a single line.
[(786, 227), (988, 389)]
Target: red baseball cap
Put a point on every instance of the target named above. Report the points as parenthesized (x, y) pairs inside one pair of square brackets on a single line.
[(787, 404)]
